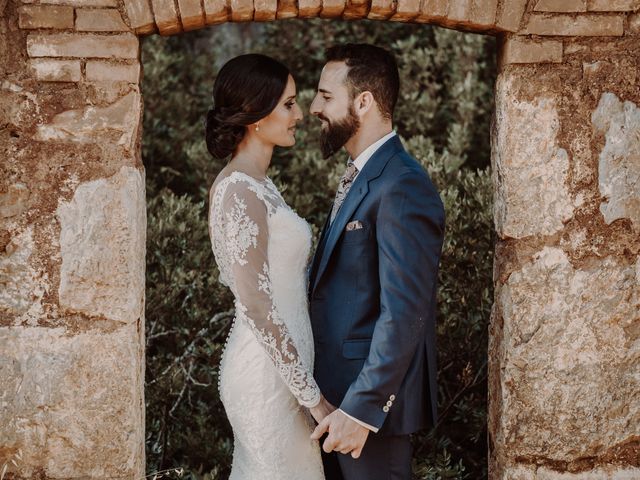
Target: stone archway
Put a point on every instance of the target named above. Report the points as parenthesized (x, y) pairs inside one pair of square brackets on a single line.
[(565, 332)]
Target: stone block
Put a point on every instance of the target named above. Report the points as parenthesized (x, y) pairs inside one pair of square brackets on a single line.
[(45, 16), (287, 9), (473, 12), (124, 45), (81, 3), (14, 201), (510, 15), (356, 9), (23, 286), (634, 23), (332, 8), (561, 6), (166, 17), (522, 50), (72, 402), (569, 360), (215, 11), (50, 70), (115, 123), (140, 16), (306, 8), (265, 10), (406, 10), (613, 5), (103, 249), (104, 71), (381, 9), (431, 10), (100, 20), (583, 25), (530, 169), (619, 161), (191, 14), (242, 10)]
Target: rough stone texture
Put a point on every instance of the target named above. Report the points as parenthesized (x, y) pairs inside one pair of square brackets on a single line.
[(104, 71), (476, 12), (103, 248), (215, 11), (582, 25), (48, 70), (619, 163), (166, 17), (191, 14), (510, 15), (567, 334), (532, 169), (124, 45), (62, 396), (265, 10), (14, 201), (45, 16), (613, 5), (522, 50), (381, 9), (542, 473), (103, 20), (116, 122), (140, 16), (332, 8), (406, 10), (306, 8), (241, 10), (561, 6), (22, 285), (80, 3), (287, 9)]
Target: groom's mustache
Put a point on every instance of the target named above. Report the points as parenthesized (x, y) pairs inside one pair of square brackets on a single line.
[(322, 117)]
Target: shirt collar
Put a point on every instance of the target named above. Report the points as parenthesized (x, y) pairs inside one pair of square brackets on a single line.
[(368, 152)]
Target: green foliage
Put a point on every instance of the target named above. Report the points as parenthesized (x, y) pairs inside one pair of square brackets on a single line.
[(443, 117)]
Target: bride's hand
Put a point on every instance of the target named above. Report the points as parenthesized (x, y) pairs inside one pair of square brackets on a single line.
[(321, 410)]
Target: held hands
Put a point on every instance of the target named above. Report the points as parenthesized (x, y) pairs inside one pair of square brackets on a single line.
[(320, 411), (345, 435)]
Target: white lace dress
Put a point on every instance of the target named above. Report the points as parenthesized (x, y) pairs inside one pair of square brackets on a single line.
[(262, 248)]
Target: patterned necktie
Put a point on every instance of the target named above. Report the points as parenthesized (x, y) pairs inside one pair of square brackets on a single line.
[(343, 188)]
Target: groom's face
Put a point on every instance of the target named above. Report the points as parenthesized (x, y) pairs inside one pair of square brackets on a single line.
[(333, 105)]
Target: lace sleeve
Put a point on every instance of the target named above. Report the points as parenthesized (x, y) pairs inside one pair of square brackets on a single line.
[(246, 236)]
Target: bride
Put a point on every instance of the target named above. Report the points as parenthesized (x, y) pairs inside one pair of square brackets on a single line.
[(262, 248)]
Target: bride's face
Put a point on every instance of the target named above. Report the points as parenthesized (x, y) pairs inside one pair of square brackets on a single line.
[(279, 127)]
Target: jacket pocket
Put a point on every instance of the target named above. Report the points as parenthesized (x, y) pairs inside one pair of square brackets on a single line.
[(356, 349)]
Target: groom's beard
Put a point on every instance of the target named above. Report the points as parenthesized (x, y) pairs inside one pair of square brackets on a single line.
[(338, 132)]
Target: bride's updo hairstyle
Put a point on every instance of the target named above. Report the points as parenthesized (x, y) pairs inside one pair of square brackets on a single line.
[(246, 90)]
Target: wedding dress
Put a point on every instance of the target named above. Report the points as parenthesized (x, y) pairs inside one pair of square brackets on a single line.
[(262, 248)]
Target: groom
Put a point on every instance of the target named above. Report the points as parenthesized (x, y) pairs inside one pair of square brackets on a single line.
[(373, 279)]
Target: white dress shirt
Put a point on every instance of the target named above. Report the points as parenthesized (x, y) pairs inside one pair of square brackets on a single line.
[(360, 162)]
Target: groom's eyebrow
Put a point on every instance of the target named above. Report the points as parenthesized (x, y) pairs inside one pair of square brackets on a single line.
[(322, 90)]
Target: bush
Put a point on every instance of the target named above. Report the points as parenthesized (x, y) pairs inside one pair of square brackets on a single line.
[(443, 117)]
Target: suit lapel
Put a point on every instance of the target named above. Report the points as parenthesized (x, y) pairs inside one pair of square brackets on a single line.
[(372, 169)]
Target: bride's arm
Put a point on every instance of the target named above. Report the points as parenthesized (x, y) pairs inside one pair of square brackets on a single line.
[(246, 234)]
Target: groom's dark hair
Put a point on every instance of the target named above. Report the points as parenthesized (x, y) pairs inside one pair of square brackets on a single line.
[(371, 69)]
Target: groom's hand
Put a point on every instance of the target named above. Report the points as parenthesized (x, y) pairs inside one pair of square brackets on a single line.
[(345, 435)]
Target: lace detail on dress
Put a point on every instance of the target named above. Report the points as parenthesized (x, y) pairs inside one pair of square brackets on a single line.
[(239, 231)]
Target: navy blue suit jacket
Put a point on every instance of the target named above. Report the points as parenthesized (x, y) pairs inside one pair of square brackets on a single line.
[(372, 296)]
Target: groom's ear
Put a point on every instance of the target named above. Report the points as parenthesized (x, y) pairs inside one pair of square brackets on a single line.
[(364, 102)]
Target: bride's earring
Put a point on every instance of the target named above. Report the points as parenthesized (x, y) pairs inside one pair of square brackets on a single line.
[(257, 127)]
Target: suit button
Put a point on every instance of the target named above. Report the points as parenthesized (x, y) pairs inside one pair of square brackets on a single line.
[(385, 409), (389, 403), (392, 397)]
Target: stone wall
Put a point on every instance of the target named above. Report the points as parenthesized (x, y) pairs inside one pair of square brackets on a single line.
[(565, 332)]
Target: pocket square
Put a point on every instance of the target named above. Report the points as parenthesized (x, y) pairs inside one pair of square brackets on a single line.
[(355, 225)]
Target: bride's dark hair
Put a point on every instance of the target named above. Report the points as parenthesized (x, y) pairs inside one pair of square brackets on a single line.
[(246, 90)]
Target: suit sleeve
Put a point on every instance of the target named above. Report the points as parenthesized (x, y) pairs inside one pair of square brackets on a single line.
[(409, 234)]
